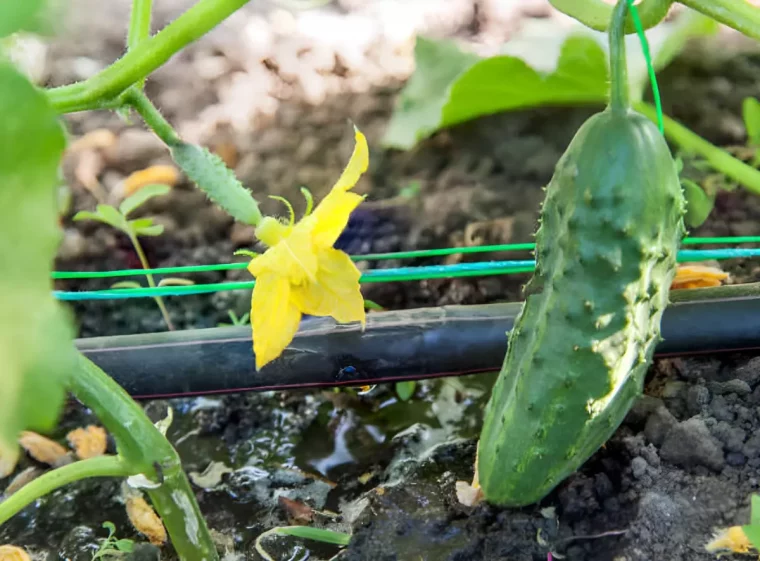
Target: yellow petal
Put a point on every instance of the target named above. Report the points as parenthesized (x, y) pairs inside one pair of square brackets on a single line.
[(292, 258), (336, 292), (274, 317), (331, 217), (357, 165)]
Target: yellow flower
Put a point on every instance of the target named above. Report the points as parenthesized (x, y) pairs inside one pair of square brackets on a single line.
[(301, 272)]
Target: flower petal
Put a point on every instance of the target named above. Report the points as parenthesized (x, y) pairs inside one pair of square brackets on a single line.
[(331, 217), (274, 317), (336, 292), (292, 258), (357, 165)]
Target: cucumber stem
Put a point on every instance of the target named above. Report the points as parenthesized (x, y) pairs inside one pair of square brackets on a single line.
[(619, 91)]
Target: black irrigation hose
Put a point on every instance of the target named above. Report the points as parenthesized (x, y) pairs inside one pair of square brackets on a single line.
[(396, 346)]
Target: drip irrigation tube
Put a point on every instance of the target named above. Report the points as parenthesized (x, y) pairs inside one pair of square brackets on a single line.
[(396, 346)]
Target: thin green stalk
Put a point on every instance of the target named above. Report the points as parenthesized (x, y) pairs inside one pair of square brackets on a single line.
[(145, 450), (139, 22), (151, 281), (738, 14), (136, 99), (101, 89), (597, 14), (101, 466), (719, 159), (619, 93), (139, 27)]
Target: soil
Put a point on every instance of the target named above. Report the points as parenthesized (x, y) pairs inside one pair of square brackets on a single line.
[(272, 92)]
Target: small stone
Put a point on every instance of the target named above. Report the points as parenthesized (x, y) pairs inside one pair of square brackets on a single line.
[(690, 444), (751, 448), (750, 372), (659, 425), (720, 409), (697, 398), (735, 459), (638, 467), (739, 387)]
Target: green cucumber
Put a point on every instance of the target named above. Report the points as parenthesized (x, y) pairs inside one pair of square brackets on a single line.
[(610, 228)]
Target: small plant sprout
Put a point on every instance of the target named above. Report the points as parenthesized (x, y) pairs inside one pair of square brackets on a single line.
[(111, 547), (134, 229), (235, 320)]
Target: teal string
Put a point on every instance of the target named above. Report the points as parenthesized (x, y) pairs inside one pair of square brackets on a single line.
[(650, 67), (483, 268)]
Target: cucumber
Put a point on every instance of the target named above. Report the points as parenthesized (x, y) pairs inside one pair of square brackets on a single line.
[(610, 228)]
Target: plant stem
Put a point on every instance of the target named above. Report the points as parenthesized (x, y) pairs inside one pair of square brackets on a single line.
[(139, 27), (619, 92), (151, 115), (738, 14), (139, 23), (151, 282), (101, 466), (719, 159), (101, 89), (596, 14), (143, 448)]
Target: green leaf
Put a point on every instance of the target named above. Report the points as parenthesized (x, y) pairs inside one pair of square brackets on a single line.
[(405, 390), (138, 223), (105, 214), (754, 516), (543, 66), (156, 230), (36, 334), (753, 534), (144, 194), (418, 110), (20, 15), (316, 534), (212, 176), (110, 527), (125, 545), (370, 305), (126, 284), (698, 203), (751, 115), (247, 253)]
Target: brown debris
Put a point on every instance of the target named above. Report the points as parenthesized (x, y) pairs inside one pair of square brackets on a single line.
[(43, 449), (697, 276), (88, 442), (161, 174), (13, 553), (297, 512), (27, 475), (145, 520)]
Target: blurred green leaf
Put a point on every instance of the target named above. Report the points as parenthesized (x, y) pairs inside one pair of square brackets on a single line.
[(405, 390), (753, 534), (751, 115), (138, 223), (36, 335), (371, 305), (125, 545), (316, 534), (449, 86), (156, 230), (144, 194), (20, 15), (105, 214), (699, 204), (754, 509)]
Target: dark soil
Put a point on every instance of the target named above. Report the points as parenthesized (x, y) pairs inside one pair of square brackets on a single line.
[(683, 464)]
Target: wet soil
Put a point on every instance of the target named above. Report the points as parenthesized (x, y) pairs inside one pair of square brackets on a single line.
[(684, 462)]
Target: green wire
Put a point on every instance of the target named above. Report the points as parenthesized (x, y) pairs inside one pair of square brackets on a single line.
[(650, 66), (62, 275)]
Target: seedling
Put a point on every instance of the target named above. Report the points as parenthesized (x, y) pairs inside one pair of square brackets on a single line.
[(111, 547)]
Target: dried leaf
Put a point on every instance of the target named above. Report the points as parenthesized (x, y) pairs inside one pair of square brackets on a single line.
[(90, 164), (29, 474), (13, 553), (298, 512), (145, 520), (98, 139), (697, 276), (211, 476), (467, 494), (43, 449), (88, 442), (161, 175)]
